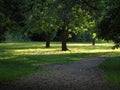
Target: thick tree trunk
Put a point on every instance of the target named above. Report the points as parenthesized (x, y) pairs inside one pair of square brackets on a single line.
[(64, 40), (48, 40)]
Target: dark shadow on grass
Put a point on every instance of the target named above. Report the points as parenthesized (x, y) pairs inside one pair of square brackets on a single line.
[(111, 68), (52, 58), (11, 70), (17, 66), (111, 64)]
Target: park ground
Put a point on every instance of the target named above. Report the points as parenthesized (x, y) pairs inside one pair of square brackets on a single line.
[(21, 60)]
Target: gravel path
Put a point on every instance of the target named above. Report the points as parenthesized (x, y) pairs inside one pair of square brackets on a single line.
[(80, 75)]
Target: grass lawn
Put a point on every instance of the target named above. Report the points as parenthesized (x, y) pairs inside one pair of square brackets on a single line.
[(20, 59), (111, 68)]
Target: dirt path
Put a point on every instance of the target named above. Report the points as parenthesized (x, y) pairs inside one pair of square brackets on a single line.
[(80, 75)]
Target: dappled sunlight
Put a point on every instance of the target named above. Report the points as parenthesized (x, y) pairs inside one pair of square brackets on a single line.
[(31, 49), (38, 52), (24, 45), (22, 58), (7, 57)]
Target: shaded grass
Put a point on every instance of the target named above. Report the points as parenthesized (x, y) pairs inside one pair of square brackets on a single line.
[(11, 70), (111, 68), (20, 59)]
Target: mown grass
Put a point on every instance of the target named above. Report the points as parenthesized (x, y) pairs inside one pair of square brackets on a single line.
[(111, 68), (21, 59)]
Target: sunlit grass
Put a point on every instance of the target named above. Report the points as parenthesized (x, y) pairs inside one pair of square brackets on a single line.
[(39, 49), (23, 58)]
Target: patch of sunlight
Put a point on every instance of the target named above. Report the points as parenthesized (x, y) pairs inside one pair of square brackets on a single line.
[(36, 49), (88, 44), (93, 51), (97, 51), (53, 51), (78, 44), (6, 58)]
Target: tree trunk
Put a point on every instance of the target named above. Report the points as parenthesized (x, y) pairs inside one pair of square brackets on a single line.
[(93, 41), (47, 40), (2, 32), (64, 40)]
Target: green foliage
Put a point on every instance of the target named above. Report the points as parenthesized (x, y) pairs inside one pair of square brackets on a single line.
[(109, 28), (45, 15), (94, 35), (7, 8), (48, 16), (15, 36), (11, 13), (72, 16)]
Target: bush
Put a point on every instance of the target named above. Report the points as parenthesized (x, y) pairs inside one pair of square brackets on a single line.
[(14, 36)]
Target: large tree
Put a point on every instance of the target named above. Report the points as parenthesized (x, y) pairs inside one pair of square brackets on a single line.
[(70, 16), (66, 16), (73, 16), (109, 26), (42, 19)]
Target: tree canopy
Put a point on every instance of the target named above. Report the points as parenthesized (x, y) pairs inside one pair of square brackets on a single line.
[(50, 16), (109, 26)]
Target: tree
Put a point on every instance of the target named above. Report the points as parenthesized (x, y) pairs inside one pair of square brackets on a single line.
[(92, 30), (11, 13), (71, 17), (42, 19), (109, 26), (48, 18), (52, 15)]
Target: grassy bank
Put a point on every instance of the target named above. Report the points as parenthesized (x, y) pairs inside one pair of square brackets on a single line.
[(111, 68), (20, 59)]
